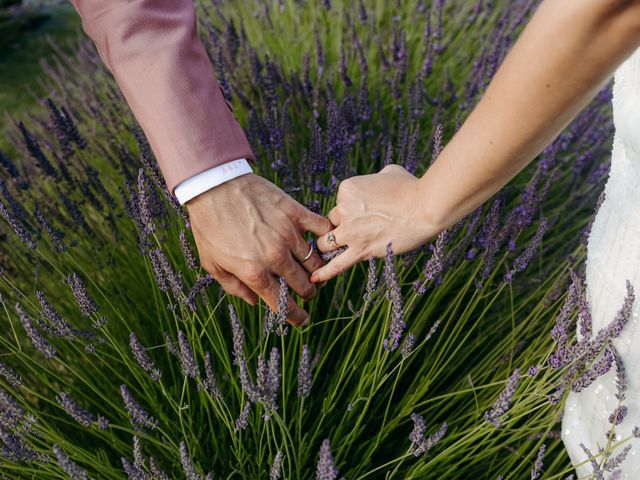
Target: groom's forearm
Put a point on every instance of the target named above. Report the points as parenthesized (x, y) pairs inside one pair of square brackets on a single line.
[(563, 57), (159, 63)]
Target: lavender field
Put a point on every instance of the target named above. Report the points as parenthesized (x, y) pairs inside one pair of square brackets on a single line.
[(120, 357)]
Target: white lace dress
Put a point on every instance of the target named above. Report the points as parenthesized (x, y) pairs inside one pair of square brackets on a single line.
[(613, 255)]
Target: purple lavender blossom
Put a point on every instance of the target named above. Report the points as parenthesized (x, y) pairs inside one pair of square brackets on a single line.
[(157, 472), (11, 413), (186, 251), (171, 345), (419, 444), (537, 466), (133, 471), (372, 281), (618, 415), (138, 416), (10, 375), (525, 257), (210, 383), (304, 373), (60, 326), (242, 422), (502, 403), (408, 344), (597, 471), (16, 225), (87, 304), (68, 466), (38, 341), (435, 265), (397, 325), (326, 469), (199, 287), (143, 205), (238, 337), (276, 466), (612, 463), (165, 275), (598, 369), (143, 358), (79, 414), (281, 315), (138, 457), (417, 434), (621, 373), (188, 467), (187, 360)]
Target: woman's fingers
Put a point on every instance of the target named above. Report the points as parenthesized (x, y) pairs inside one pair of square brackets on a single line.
[(336, 266), (331, 240), (334, 217)]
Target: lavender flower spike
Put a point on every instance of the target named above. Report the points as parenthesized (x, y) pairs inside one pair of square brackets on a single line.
[(86, 303), (138, 416), (187, 360), (242, 422), (68, 466), (304, 373), (276, 467), (187, 465), (61, 327), (10, 376), (210, 383), (326, 469), (419, 444), (397, 325), (38, 341), (502, 403), (537, 466), (143, 358), (79, 414), (417, 435)]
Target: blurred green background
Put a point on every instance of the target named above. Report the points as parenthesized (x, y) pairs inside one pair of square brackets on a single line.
[(27, 30)]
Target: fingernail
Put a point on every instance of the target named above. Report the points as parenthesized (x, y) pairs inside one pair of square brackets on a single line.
[(313, 277)]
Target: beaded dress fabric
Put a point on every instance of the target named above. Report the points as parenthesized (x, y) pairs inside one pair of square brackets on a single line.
[(613, 256)]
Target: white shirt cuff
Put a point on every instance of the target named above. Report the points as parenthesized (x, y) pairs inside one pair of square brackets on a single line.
[(203, 181)]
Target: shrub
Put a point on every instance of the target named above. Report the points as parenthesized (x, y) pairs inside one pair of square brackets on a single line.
[(121, 357)]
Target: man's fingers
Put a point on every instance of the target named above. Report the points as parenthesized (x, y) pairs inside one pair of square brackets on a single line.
[(312, 262), (312, 222), (334, 217), (268, 287), (296, 278), (234, 286), (336, 266), (331, 241)]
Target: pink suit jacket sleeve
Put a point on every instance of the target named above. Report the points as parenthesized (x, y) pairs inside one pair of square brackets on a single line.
[(152, 49)]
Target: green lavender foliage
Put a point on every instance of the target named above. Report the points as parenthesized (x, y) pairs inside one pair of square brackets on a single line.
[(470, 335)]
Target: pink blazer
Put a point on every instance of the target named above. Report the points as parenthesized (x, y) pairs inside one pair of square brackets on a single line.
[(152, 49)]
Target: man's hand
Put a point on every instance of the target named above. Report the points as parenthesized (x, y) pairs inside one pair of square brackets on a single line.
[(249, 233)]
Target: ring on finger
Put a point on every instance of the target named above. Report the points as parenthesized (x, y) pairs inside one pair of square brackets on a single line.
[(308, 255), (331, 240)]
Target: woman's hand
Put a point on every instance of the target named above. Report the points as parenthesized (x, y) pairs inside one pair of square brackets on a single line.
[(372, 211)]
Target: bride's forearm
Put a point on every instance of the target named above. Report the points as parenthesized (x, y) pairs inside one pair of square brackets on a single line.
[(566, 53)]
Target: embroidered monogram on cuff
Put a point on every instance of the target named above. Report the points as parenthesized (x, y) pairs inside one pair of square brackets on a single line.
[(208, 179)]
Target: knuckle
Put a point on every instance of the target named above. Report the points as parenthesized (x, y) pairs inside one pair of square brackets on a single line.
[(257, 277), (275, 256)]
